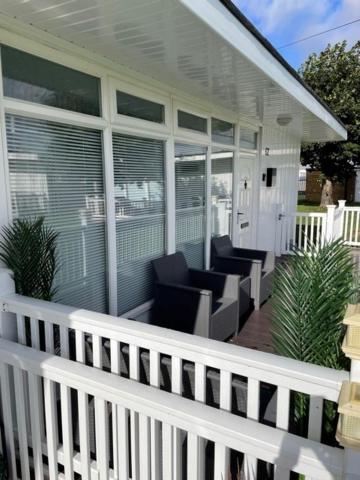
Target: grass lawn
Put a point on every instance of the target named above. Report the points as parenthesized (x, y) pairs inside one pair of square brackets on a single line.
[(304, 206)]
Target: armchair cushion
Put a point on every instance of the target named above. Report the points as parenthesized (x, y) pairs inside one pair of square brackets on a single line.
[(172, 269), (222, 246)]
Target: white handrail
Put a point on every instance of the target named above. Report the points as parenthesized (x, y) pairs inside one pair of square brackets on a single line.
[(284, 450), (277, 370)]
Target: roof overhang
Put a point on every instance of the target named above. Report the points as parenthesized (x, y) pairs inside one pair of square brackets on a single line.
[(203, 48)]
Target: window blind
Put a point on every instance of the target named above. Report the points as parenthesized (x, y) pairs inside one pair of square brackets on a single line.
[(221, 192), (56, 171), (190, 193), (140, 215)]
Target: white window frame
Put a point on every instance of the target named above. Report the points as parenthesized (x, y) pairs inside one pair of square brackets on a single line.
[(186, 134), (233, 121), (136, 124)]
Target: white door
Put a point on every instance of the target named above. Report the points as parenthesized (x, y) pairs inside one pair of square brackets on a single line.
[(243, 196)]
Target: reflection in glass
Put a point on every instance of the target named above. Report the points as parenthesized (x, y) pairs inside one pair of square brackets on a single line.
[(248, 138), (221, 191), (31, 78), (192, 122), (190, 191), (56, 171), (137, 107), (140, 215), (222, 132)]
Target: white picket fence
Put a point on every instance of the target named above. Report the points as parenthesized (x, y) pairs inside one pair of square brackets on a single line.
[(139, 430), (303, 229)]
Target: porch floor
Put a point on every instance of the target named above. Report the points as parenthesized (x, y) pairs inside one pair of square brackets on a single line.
[(256, 331)]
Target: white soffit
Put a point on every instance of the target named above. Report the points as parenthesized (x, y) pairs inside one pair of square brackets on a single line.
[(196, 46)]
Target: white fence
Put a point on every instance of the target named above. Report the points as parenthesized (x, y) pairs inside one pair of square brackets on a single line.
[(303, 229), (39, 376), (160, 423), (351, 225)]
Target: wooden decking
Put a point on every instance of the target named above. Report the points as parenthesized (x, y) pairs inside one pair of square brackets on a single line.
[(256, 332)]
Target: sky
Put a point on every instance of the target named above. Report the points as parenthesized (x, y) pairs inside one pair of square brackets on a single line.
[(284, 21)]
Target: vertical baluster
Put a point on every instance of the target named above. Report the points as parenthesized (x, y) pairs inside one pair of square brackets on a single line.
[(19, 382), (253, 399), (144, 447), (67, 433), (193, 460), (155, 425), (168, 451), (97, 354), (356, 239), (7, 413), (20, 321), (83, 408), (222, 454), (101, 430), (315, 418), (123, 436), (51, 430), (318, 231), (49, 337), (35, 343), (115, 368), (312, 220), (306, 234), (352, 227), (282, 422), (64, 342), (346, 225), (299, 243), (134, 417), (200, 396), (176, 387), (294, 230)]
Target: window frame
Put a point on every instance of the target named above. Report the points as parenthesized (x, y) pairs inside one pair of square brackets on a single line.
[(137, 124), (233, 122), (186, 134)]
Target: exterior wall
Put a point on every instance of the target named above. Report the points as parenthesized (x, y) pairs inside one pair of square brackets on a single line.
[(281, 198), (284, 149), (314, 186)]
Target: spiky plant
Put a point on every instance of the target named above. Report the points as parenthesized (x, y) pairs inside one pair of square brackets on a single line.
[(28, 248), (311, 291)]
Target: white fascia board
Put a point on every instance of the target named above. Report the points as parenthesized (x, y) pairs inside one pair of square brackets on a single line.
[(223, 22)]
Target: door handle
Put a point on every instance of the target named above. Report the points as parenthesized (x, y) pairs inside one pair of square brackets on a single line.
[(281, 216)]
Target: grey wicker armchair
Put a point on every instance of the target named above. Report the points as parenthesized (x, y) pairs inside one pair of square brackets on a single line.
[(195, 301), (258, 264)]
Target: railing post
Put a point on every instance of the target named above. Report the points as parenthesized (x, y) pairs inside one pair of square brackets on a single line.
[(341, 209), (8, 329), (330, 217)]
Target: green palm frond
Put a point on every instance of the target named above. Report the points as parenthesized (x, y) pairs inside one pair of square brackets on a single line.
[(311, 292), (28, 248)]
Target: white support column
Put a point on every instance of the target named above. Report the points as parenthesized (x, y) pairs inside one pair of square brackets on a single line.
[(208, 208), (330, 217), (170, 196), (5, 203), (8, 329)]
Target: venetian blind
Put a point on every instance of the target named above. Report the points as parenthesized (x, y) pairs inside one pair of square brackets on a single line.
[(56, 171), (140, 215), (190, 191)]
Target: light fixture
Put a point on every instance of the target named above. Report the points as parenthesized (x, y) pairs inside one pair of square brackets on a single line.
[(284, 119)]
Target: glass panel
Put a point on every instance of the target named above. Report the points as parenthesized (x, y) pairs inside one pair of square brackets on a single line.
[(140, 215), (190, 192), (139, 108), (192, 122), (248, 138), (56, 171), (34, 79), (221, 192), (222, 132)]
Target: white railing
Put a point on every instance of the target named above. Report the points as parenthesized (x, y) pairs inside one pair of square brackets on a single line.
[(303, 229), (351, 226), (53, 383), (120, 346)]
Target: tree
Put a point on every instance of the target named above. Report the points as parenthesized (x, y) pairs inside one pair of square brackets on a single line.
[(334, 75)]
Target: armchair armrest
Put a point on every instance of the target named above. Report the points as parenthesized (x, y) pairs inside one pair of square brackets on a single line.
[(267, 258), (221, 284), (235, 265), (185, 289)]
